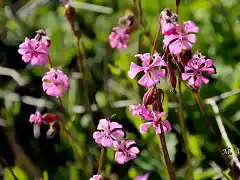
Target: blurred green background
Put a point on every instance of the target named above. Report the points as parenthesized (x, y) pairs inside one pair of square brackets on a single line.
[(111, 90)]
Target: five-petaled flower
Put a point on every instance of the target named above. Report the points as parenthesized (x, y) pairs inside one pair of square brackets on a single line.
[(140, 110), (36, 118), (194, 69), (126, 151), (55, 83), (156, 122), (148, 63), (109, 133), (182, 38), (96, 177), (33, 52), (119, 38)]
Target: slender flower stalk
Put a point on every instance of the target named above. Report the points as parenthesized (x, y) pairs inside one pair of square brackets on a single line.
[(210, 125), (189, 173), (156, 40), (70, 16), (171, 170), (100, 164)]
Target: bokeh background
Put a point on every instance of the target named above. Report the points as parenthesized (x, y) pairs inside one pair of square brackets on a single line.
[(30, 153)]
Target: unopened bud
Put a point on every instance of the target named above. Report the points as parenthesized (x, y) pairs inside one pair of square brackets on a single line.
[(69, 13), (49, 118), (127, 20), (172, 80), (168, 21), (41, 36), (150, 96)]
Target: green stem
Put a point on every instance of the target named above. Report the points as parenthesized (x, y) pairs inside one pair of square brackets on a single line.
[(100, 161), (156, 40)]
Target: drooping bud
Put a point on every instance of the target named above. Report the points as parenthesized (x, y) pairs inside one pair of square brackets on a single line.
[(171, 77), (150, 96), (185, 57), (69, 13), (49, 118), (157, 105), (53, 130), (41, 36), (168, 21)]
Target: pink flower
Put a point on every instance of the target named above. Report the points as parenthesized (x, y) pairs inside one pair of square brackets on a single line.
[(155, 122), (126, 151), (119, 38), (96, 177), (182, 38), (33, 52), (109, 132), (142, 177), (194, 69), (147, 66), (55, 83), (36, 118), (168, 21), (139, 110)]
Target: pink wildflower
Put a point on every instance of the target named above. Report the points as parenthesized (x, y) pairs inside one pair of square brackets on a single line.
[(194, 69), (182, 38), (168, 21), (140, 110), (96, 177), (55, 83), (33, 52), (155, 122), (109, 132), (126, 151), (147, 66), (119, 38), (36, 118)]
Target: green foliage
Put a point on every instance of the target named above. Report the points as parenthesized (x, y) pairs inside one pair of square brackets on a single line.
[(64, 158)]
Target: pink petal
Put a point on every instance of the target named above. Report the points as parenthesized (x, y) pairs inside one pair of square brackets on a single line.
[(168, 39), (185, 76), (192, 38), (186, 45), (144, 127), (134, 70), (103, 124), (191, 81), (146, 80), (120, 157), (167, 125), (175, 47), (205, 80)]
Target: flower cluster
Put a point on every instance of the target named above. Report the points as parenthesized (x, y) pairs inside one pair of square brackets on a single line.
[(119, 38), (111, 134), (55, 83)]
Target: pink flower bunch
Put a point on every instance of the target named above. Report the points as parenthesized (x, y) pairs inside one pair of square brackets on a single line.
[(33, 52), (119, 38), (152, 118), (151, 76), (194, 70), (55, 83), (36, 52), (111, 134)]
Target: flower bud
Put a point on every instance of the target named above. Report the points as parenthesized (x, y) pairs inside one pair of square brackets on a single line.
[(127, 20), (171, 77), (41, 36), (168, 21), (150, 96), (48, 118), (69, 13)]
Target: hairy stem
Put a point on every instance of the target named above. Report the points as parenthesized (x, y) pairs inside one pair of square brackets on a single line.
[(171, 170), (210, 125), (100, 161), (156, 40)]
